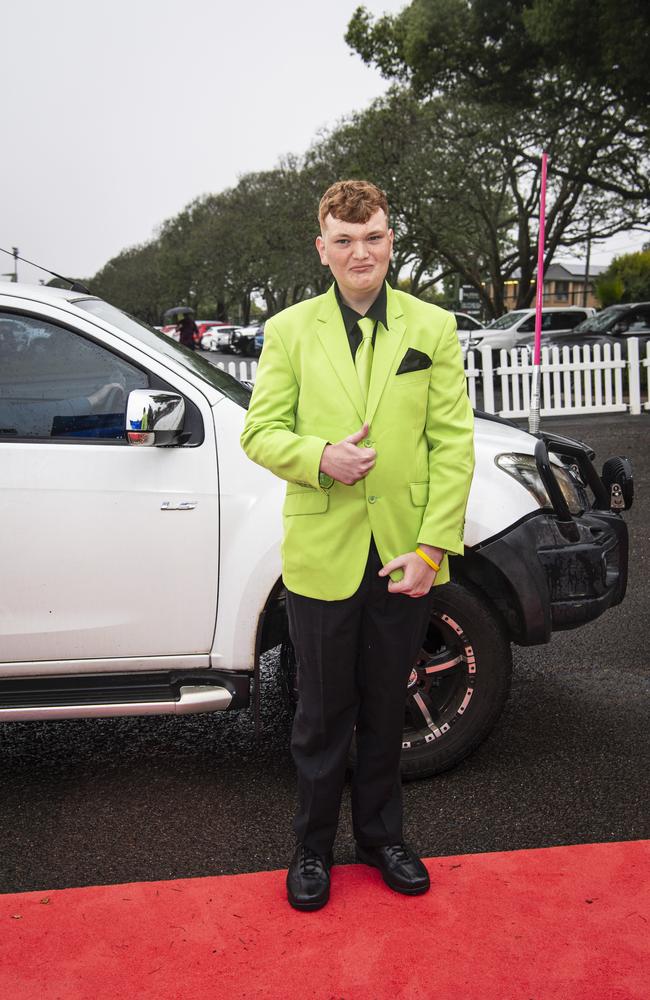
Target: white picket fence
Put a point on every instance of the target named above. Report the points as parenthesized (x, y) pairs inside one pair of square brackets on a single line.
[(245, 371), (573, 380)]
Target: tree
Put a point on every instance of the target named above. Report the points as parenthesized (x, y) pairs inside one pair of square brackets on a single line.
[(272, 225), (527, 81), (463, 183), (513, 52), (132, 281), (503, 53), (608, 290), (627, 279), (407, 147)]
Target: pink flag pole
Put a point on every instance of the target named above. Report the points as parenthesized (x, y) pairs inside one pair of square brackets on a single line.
[(533, 416)]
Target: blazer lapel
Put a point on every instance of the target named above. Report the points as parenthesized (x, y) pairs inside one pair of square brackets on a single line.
[(332, 335), (387, 345)]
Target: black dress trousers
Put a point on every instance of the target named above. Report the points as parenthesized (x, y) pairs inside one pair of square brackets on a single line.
[(354, 659)]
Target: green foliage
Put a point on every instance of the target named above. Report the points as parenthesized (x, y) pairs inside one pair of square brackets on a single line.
[(223, 250), (627, 279), (484, 87), (609, 290), (132, 281), (512, 51), (510, 79), (463, 183)]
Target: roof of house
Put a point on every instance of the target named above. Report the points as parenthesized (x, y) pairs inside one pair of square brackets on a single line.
[(566, 271)]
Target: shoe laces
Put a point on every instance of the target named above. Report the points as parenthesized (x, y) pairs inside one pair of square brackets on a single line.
[(310, 862), (398, 852)]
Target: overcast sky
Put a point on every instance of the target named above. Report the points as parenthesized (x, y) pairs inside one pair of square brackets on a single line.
[(117, 114)]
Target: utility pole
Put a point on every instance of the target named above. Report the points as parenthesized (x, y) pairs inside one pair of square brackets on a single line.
[(15, 252), (584, 290)]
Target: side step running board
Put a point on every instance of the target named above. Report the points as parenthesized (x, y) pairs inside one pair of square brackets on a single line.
[(200, 698)]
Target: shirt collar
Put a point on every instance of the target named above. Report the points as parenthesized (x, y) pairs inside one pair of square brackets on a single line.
[(377, 310)]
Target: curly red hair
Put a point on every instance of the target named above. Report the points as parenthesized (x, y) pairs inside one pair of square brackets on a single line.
[(352, 201)]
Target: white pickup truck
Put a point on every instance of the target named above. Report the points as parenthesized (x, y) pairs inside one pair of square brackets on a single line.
[(141, 549)]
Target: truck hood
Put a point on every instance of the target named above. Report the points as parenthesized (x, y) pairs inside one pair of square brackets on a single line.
[(251, 495)]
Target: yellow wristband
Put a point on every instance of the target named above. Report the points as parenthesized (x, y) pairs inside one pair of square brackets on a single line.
[(427, 559)]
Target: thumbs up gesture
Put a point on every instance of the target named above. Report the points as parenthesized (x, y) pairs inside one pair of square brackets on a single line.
[(345, 461)]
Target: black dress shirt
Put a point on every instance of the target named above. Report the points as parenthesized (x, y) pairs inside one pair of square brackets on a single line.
[(351, 317)]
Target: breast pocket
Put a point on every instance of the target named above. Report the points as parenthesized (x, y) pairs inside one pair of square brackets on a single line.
[(411, 379)]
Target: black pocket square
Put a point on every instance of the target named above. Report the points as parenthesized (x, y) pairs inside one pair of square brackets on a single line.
[(414, 361)]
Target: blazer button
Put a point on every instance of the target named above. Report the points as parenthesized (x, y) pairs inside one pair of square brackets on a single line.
[(372, 499)]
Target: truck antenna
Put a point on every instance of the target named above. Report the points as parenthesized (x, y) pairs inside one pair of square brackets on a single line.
[(75, 286)]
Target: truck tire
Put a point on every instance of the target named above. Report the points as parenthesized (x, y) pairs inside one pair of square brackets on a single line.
[(458, 686)]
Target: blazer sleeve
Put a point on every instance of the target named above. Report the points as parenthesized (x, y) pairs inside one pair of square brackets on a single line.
[(269, 437), (450, 436)]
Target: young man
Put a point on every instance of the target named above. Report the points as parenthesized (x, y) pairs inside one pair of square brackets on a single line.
[(360, 404)]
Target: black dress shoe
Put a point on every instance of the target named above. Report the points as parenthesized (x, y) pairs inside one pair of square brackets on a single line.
[(401, 869), (308, 879)]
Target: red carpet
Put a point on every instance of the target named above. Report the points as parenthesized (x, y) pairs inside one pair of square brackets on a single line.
[(571, 923)]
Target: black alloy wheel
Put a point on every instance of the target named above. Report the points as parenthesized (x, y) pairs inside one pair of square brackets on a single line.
[(458, 686), (459, 683)]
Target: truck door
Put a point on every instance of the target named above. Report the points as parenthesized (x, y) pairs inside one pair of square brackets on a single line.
[(109, 552)]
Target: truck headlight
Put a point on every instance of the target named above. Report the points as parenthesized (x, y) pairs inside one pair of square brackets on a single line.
[(524, 469)]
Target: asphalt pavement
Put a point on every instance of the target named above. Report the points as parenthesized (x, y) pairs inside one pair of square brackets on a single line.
[(88, 802)]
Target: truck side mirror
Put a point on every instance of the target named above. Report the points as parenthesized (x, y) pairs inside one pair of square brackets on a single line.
[(154, 418)]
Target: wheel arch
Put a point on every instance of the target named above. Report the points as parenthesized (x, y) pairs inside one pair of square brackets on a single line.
[(495, 589), (272, 627)]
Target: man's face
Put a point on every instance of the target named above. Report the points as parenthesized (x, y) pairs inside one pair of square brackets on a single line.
[(358, 253)]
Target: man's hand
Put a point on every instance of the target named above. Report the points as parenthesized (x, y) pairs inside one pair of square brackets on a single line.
[(347, 463), (418, 576)]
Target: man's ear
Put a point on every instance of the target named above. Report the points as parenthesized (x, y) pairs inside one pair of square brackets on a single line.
[(320, 246)]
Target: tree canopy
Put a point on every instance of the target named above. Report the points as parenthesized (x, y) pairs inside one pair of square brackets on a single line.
[(482, 88), (512, 51), (627, 279)]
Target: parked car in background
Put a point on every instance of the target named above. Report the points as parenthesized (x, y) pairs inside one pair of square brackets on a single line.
[(203, 326), (466, 322), (171, 330), (219, 338), (208, 324), (614, 325), (509, 329), (466, 327), (243, 341), (259, 341)]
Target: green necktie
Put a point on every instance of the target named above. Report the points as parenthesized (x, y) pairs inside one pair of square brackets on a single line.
[(363, 357)]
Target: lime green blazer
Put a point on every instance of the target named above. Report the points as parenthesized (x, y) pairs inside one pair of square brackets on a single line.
[(307, 395)]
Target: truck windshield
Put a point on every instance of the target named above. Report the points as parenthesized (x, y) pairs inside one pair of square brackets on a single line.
[(506, 321), (601, 321), (218, 378)]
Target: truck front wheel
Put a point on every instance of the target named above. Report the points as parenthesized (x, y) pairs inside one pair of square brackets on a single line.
[(458, 686), (459, 683)]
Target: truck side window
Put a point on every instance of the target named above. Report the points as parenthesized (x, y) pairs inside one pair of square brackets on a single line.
[(57, 384), (637, 321), (567, 320)]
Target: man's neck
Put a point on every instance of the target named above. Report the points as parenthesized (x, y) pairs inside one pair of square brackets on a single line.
[(360, 303)]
